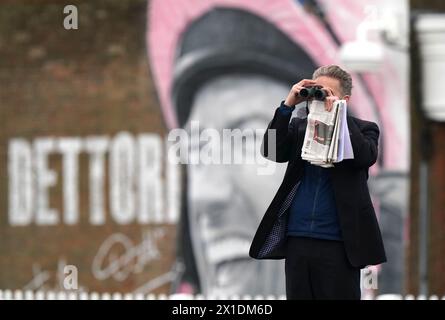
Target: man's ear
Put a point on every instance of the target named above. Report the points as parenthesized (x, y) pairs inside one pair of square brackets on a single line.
[(346, 98)]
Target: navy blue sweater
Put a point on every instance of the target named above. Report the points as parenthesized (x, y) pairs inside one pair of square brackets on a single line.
[(313, 212)]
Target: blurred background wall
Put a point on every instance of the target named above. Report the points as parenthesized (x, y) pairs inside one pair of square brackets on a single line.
[(85, 178), (425, 262), (68, 98)]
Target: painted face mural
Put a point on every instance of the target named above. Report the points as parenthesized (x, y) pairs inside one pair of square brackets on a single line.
[(228, 64), (226, 201), (86, 175)]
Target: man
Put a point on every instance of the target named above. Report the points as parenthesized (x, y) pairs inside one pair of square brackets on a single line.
[(321, 220)]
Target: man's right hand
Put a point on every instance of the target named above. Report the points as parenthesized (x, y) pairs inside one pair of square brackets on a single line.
[(293, 97)]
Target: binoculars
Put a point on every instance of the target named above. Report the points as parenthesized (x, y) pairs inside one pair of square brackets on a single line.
[(318, 93)]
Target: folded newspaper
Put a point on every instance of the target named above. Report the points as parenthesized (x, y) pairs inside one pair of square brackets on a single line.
[(327, 139)]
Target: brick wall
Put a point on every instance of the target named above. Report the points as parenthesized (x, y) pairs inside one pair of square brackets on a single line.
[(55, 82)]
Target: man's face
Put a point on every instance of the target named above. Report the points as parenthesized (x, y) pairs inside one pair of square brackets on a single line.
[(333, 84), (227, 201)]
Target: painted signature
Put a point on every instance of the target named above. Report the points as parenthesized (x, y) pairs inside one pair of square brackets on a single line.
[(118, 257), (41, 278)]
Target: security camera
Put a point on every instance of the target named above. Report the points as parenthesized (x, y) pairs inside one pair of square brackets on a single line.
[(362, 56)]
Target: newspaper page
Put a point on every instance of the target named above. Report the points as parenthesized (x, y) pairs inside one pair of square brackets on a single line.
[(345, 145), (319, 131), (327, 138)]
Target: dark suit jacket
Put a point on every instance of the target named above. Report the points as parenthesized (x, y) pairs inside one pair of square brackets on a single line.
[(360, 230)]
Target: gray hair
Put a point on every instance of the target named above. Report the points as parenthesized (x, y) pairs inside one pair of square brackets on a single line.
[(334, 71)]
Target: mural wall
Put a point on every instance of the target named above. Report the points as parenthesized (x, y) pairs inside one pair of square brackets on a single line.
[(216, 60), (89, 118), (84, 181)]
